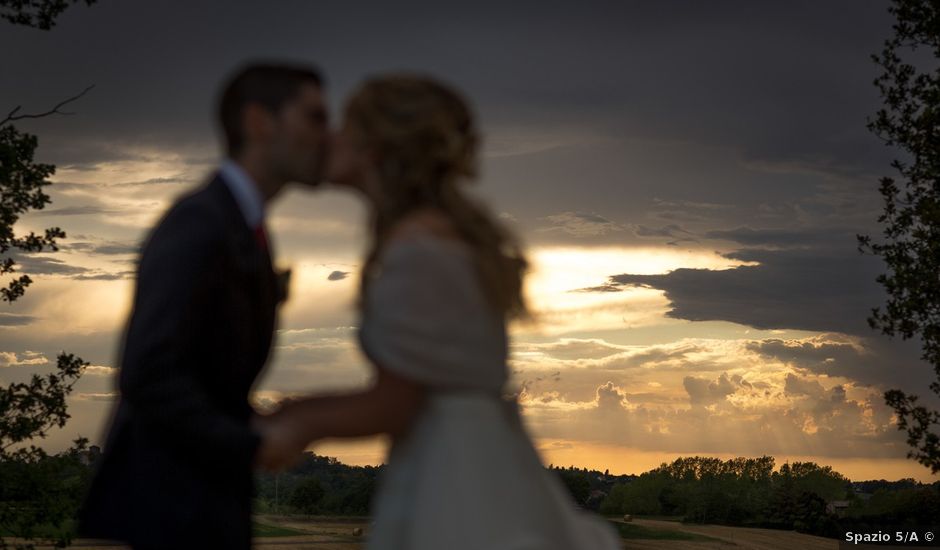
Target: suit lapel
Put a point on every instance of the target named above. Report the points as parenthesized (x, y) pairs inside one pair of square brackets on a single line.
[(254, 261)]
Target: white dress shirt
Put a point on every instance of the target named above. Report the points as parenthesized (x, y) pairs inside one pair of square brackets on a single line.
[(245, 191)]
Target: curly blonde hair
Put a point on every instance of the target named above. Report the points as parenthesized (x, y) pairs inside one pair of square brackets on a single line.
[(425, 138)]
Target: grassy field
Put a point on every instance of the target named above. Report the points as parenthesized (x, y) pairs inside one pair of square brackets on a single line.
[(342, 533), (633, 531), (264, 530)]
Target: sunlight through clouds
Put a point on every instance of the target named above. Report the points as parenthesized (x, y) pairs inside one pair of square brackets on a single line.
[(558, 274)]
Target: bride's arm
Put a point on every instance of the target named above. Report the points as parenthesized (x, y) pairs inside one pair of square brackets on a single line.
[(388, 406)]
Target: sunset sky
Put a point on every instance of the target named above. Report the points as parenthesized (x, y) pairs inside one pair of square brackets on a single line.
[(688, 179)]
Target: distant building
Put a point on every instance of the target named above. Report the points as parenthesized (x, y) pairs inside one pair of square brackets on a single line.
[(837, 507)]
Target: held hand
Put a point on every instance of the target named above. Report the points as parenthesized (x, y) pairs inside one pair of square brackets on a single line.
[(281, 444)]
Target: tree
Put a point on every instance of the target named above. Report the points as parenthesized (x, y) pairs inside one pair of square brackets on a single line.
[(306, 495), (910, 121), (21, 189), (38, 492), (36, 13), (577, 484)]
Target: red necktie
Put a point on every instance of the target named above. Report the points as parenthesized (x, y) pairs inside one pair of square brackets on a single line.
[(262, 237)]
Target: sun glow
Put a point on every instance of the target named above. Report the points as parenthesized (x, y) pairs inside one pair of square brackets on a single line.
[(559, 282)]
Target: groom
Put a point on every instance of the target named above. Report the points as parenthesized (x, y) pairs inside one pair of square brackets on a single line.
[(177, 464)]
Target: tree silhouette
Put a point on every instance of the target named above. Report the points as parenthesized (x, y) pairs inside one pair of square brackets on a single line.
[(40, 14), (21, 189), (909, 120), (38, 492)]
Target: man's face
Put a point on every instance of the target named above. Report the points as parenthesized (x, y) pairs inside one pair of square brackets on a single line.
[(300, 142)]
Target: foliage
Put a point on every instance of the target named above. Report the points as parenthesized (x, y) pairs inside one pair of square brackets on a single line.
[(40, 14), (306, 496), (36, 489), (739, 491), (346, 490), (21, 189), (909, 120), (577, 483), (894, 505), (39, 494), (30, 410)]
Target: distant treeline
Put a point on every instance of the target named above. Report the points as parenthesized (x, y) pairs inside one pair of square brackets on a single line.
[(317, 485), (802, 496)]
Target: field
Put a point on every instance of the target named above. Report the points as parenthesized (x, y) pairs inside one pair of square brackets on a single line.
[(324, 533)]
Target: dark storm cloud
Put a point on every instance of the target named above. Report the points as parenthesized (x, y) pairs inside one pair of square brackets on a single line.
[(784, 237), (804, 279), (789, 81), (793, 289), (878, 362)]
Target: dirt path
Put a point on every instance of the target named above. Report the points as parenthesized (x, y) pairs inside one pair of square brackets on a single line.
[(740, 537)]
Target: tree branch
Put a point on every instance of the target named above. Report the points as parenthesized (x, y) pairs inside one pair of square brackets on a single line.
[(54, 111)]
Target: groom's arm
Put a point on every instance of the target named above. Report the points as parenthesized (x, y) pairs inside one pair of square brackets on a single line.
[(178, 270)]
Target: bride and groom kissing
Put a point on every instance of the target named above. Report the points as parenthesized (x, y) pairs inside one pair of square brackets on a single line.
[(439, 283)]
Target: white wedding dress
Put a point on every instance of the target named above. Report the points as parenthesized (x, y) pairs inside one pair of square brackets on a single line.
[(466, 477)]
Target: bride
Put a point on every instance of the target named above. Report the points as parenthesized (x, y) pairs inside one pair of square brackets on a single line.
[(439, 283)]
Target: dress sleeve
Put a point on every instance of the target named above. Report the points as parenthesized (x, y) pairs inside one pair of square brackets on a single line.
[(426, 318)]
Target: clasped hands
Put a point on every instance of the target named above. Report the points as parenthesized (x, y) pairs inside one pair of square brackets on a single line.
[(282, 438)]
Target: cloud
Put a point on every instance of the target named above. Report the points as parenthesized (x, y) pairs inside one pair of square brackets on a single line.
[(872, 361), (337, 275), (106, 248), (789, 289), (99, 370), (610, 396), (728, 417), (102, 276), (181, 179), (705, 392), (100, 396), (783, 238), (574, 348), (27, 358), (582, 224), (84, 210), (15, 320), (44, 265), (796, 385)]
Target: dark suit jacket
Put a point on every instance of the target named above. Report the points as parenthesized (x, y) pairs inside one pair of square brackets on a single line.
[(177, 465)]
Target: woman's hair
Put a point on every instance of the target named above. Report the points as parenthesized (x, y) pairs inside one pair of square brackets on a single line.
[(424, 137)]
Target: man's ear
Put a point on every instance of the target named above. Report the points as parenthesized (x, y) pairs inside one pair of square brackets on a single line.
[(257, 123)]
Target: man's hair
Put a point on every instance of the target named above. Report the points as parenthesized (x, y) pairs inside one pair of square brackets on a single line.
[(269, 85)]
